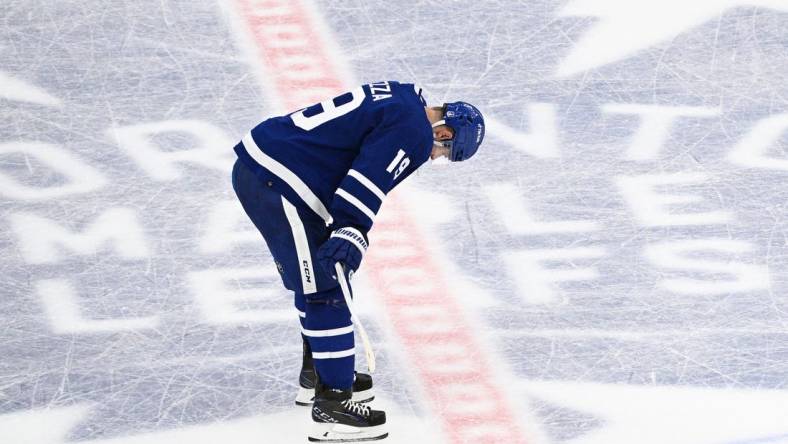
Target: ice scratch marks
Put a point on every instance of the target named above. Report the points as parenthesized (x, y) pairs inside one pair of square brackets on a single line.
[(626, 27), (681, 415), (14, 89)]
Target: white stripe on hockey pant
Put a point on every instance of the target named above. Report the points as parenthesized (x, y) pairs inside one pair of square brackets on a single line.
[(302, 247), (331, 332), (367, 183), (301, 314), (356, 203), (334, 355), (288, 176)]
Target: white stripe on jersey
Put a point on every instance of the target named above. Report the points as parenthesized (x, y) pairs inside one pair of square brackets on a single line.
[(302, 248), (334, 355), (356, 203), (288, 176), (367, 183)]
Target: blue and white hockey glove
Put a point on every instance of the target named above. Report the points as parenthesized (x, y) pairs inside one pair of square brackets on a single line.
[(346, 246)]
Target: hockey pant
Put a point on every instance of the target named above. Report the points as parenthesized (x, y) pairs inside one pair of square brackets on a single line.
[(293, 236)]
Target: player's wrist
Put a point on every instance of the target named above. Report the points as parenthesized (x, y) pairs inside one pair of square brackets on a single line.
[(355, 236)]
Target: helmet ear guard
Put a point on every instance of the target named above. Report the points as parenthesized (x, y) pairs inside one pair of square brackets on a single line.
[(468, 125)]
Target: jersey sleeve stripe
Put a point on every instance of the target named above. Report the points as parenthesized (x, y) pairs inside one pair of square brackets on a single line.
[(356, 203), (288, 176), (367, 183)]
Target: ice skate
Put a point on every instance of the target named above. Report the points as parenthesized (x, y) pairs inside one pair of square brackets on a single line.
[(337, 418)]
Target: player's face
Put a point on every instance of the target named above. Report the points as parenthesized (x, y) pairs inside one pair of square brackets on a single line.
[(442, 132)]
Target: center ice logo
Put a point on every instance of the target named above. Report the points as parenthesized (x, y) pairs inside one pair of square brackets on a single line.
[(625, 27)]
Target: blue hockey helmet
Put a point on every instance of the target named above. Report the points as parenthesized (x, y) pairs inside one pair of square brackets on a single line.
[(468, 125)]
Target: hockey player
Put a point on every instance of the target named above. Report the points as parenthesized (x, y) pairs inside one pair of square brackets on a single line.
[(312, 182)]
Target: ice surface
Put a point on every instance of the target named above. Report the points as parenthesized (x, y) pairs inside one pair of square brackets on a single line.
[(620, 243)]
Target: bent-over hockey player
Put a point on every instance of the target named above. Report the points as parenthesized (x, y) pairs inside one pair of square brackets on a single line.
[(312, 182)]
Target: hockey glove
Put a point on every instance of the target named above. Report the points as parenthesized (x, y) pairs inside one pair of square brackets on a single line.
[(346, 246)]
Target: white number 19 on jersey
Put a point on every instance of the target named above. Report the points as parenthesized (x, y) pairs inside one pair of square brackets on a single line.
[(330, 111)]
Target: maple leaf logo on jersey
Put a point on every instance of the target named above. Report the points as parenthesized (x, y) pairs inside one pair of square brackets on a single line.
[(625, 27)]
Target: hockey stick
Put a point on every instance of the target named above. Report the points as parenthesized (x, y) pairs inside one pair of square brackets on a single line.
[(356, 320)]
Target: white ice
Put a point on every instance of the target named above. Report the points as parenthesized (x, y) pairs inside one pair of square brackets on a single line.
[(617, 250)]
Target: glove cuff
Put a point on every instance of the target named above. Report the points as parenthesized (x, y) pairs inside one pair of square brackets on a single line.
[(353, 236)]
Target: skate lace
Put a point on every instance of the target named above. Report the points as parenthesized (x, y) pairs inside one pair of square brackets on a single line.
[(356, 407)]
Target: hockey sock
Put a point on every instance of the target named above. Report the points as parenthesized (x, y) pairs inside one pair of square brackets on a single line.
[(330, 335), (300, 305)]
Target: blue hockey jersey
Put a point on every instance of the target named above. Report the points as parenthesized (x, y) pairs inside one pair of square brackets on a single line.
[(339, 158)]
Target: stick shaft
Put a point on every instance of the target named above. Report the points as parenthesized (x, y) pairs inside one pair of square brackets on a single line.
[(369, 353)]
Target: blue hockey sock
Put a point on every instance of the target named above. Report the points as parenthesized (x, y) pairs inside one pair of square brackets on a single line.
[(300, 305), (330, 334)]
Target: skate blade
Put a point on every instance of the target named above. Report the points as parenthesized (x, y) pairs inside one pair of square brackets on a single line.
[(306, 397), (326, 432)]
